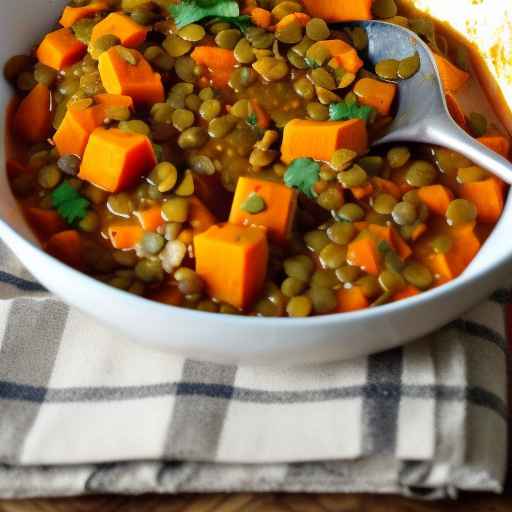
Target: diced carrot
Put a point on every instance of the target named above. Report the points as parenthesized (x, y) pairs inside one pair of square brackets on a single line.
[(343, 55), (60, 49), (279, 213), (406, 293), (125, 236), (113, 100), (376, 94), (320, 139), (219, 62), (295, 17), (447, 266), (362, 191), (33, 118), (401, 246), (199, 217), (232, 260), (436, 197), (487, 196), (262, 118), (361, 226), (73, 14), (261, 17), (47, 222), (497, 143), (330, 11), (456, 110), (418, 231), (169, 295), (150, 219), (351, 299), (387, 186), (75, 129), (114, 160), (138, 81), (186, 236), (67, 247), (452, 77), (363, 253), (130, 34), (15, 168)]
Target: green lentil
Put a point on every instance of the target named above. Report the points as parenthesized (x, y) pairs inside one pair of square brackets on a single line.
[(404, 213), (175, 210), (243, 52), (347, 274), (369, 285), (290, 34), (193, 33), (182, 119), (316, 240), (299, 307), (477, 124), (210, 109), (384, 203), (421, 174), (371, 164), (317, 112), (49, 176), (333, 256), (418, 275), (341, 233), (299, 268), (324, 279), (324, 300), (398, 156), (351, 212), (149, 270), (387, 69), (175, 46), (441, 244), (471, 174), (221, 126), (354, 177), (460, 212), (135, 126), (409, 67), (193, 138), (120, 205), (391, 281), (317, 29), (330, 199), (384, 9), (292, 287)]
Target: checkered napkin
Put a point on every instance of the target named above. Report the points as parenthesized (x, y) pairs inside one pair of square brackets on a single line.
[(82, 410)]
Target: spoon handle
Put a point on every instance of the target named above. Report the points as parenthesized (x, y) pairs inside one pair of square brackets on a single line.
[(450, 135)]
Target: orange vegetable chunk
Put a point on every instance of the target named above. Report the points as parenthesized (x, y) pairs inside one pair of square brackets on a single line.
[(487, 196), (456, 110), (219, 62), (138, 81), (73, 14), (436, 197), (342, 55), (387, 186), (130, 34), (320, 139), (47, 222), (113, 100), (261, 17), (114, 160), (363, 191), (351, 299), (151, 218), (232, 260), (452, 77), (333, 11), (75, 129), (279, 214), (376, 94), (363, 253), (60, 49), (125, 236), (497, 143), (406, 293), (447, 266), (33, 118), (67, 247), (199, 217)]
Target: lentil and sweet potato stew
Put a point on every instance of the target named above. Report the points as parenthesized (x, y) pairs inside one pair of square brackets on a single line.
[(214, 154)]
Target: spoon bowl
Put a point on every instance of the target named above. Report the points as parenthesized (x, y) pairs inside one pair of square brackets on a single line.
[(422, 112)]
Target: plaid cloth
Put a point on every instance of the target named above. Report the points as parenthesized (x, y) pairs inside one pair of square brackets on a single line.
[(84, 411)]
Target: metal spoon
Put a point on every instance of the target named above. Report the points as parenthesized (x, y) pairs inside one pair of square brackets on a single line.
[(423, 114)]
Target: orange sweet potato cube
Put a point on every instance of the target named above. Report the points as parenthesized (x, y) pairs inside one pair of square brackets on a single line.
[(320, 139), (75, 129), (60, 49), (114, 160), (232, 260), (71, 15), (280, 206), (138, 80), (130, 34)]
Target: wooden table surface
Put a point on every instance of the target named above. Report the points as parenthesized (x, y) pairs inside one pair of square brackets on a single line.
[(260, 503)]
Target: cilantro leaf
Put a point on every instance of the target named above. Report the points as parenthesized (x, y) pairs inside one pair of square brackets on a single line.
[(242, 23), (252, 119), (303, 174), (343, 111), (70, 205), (190, 11)]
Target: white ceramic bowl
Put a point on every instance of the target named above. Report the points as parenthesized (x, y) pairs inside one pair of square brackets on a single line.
[(233, 339)]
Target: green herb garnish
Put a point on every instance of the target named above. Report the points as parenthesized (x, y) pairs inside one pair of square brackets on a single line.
[(70, 205), (191, 11), (303, 174), (311, 63), (344, 111), (242, 23), (252, 119)]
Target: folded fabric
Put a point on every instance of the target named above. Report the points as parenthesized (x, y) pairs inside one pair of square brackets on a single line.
[(84, 410)]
